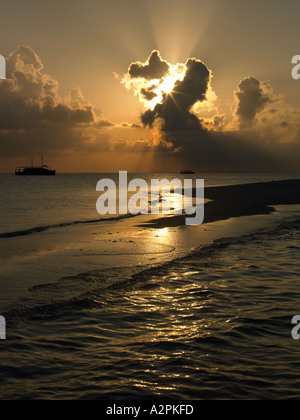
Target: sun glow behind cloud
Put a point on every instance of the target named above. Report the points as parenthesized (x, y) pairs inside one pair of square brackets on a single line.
[(167, 84), (151, 91)]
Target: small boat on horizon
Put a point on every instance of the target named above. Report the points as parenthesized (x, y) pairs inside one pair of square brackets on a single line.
[(187, 172), (42, 170)]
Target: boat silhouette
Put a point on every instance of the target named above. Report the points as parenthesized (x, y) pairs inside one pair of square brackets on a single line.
[(187, 172), (42, 170)]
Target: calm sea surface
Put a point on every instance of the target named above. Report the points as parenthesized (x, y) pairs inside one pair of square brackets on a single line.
[(31, 202), (214, 324)]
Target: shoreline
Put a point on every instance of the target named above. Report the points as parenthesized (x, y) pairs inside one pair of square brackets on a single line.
[(54, 255), (239, 200)]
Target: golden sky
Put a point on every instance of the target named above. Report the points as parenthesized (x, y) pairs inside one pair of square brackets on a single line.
[(160, 85)]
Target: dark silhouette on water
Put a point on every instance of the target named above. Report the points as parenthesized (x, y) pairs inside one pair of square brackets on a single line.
[(42, 170), (187, 172)]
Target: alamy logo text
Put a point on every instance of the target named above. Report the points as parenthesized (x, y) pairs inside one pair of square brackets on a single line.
[(156, 198), (2, 67), (2, 328)]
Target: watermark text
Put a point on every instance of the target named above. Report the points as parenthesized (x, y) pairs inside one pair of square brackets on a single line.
[(137, 197), (296, 329), (2, 67), (2, 328), (296, 68)]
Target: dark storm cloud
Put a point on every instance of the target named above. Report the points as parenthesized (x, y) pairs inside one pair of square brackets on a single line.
[(154, 68), (175, 109), (252, 99)]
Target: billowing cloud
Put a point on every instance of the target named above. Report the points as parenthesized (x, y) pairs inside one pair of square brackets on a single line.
[(34, 118), (150, 80), (252, 96), (154, 68), (183, 119), (182, 111), (29, 96), (175, 109)]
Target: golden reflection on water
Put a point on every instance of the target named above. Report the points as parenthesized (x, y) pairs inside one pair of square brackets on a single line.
[(174, 313), (161, 233), (170, 315), (179, 311)]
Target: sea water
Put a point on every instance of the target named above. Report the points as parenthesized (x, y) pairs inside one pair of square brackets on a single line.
[(213, 324), (35, 203)]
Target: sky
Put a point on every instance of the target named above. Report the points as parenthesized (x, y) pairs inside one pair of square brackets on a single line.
[(150, 86)]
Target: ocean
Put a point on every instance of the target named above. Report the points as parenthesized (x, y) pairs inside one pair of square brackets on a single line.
[(35, 203), (211, 321)]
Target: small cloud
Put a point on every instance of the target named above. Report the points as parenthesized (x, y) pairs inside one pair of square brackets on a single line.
[(130, 125), (105, 124), (252, 96), (154, 68), (149, 94)]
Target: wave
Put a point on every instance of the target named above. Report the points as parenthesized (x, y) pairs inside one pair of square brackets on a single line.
[(39, 229), (89, 289)]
